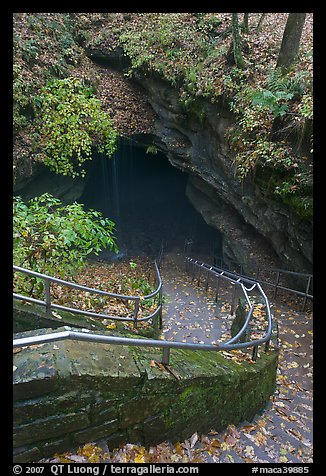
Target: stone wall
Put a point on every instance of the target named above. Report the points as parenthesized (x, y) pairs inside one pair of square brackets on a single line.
[(67, 393)]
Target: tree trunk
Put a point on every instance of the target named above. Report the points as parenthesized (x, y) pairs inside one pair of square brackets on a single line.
[(291, 40), (260, 23), (245, 23), (236, 42)]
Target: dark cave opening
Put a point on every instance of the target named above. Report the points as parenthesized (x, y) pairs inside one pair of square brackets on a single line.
[(146, 197)]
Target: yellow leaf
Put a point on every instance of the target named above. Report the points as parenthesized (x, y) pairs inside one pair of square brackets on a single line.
[(292, 365), (178, 448), (216, 443), (224, 446), (111, 326), (261, 423), (140, 459)]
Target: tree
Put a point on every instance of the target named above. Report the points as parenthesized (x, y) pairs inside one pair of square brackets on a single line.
[(239, 61), (291, 40), (260, 23), (245, 23)]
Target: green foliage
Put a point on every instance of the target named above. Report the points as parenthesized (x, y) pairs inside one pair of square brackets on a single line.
[(43, 48), (275, 98), (274, 102), (151, 149), (70, 121), (172, 46), (55, 239), (280, 90), (256, 108), (21, 92), (305, 108), (297, 192)]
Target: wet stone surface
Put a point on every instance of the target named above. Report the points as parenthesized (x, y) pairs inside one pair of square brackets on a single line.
[(189, 314)]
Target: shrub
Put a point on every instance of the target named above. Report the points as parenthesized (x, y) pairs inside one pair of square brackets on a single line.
[(54, 239)]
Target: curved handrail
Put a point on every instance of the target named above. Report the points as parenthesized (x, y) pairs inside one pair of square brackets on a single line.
[(239, 280), (133, 341), (308, 277), (166, 345), (71, 284), (49, 305)]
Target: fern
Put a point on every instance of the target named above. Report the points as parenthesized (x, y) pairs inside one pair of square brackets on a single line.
[(296, 85)]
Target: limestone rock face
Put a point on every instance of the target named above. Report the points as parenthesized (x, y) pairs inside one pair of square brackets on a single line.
[(194, 141), (41, 180)]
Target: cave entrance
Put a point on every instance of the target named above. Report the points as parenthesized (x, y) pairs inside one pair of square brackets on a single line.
[(146, 197)]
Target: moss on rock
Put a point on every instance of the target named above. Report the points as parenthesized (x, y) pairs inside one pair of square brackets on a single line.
[(70, 392)]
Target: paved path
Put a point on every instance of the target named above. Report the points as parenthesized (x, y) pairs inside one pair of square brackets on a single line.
[(189, 314), (283, 432)]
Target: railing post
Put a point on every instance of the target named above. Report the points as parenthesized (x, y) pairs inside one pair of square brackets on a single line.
[(160, 304), (257, 274), (199, 273), (193, 271), (206, 285), (254, 352), (217, 288), (307, 292), (233, 299), (166, 356), (136, 309), (188, 266), (276, 285), (47, 295)]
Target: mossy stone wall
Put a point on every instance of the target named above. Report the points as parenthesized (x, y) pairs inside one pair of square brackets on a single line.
[(67, 393)]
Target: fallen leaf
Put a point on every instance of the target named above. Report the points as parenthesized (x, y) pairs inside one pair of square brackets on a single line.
[(193, 439), (248, 428), (140, 459), (230, 440)]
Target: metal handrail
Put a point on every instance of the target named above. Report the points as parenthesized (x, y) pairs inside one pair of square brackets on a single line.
[(307, 294), (49, 305), (241, 281), (231, 344)]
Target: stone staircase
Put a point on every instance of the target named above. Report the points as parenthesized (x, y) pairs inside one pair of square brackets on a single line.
[(283, 433)]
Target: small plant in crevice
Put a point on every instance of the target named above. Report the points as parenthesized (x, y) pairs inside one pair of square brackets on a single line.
[(151, 149)]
